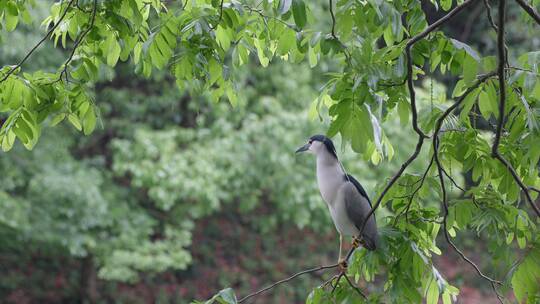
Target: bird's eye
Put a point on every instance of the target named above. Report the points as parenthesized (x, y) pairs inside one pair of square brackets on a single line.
[(310, 141)]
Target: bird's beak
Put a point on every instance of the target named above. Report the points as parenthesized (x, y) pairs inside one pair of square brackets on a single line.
[(303, 148)]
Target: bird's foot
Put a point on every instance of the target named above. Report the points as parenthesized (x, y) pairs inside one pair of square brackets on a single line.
[(356, 242), (343, 265)]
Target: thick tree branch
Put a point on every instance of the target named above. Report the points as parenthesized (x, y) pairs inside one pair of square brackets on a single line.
[(287, 280), (501, 61), (530, 10), (58, 22)]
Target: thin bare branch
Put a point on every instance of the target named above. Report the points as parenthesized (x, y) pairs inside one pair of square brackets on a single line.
[(453, 180), (534, 189), (286, 280), (331, 5), (78, 42), (439, 22), (261, 13), (412, 195), (530, 10), (335, 37), (489, 16), (49, 33), (501, 60), (356, 288)]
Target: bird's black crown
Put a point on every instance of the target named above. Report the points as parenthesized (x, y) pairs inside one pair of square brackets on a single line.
[(327, 143)]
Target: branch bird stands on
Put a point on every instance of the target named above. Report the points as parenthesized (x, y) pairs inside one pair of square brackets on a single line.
[(347, 200)]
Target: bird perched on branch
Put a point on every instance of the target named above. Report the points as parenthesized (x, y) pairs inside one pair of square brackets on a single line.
[(347, 201)]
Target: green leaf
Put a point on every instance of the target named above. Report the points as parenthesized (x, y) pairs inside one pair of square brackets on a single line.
[(137, 52), (58, 119), (312, 57), (446, 4), (403, 111), (89, 122), (526, 277), (11, 14), (215, 70), (299, 13), (484, 104), (75, 121), (470, 69), (432, 296), (7, 141), (286, 42), (260, 52), (462, 46), (225, 296), (11, 22), (231, 95), (111, 49), (223, 38)]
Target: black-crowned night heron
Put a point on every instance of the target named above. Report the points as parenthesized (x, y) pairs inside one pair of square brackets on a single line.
[(346, 199)]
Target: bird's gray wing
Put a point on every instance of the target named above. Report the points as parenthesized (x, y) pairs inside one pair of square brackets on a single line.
[(358, 207)]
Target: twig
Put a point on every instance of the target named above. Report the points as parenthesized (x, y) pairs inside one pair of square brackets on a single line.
[(80, 8), (286, 280), (439, 22), (13, 69), (411, 196), (355, 287), (213, 27), (522, 69), (342, 273), (261, 13), (501, 58), (334, 36), (489, 16), (393, 84), (530, 10), (78, 42), (452, 180), (534, 189), (331, 5)]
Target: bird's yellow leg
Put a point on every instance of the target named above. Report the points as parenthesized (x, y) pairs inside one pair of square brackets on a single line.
[(340, 246), (342, 263), (356, 241)]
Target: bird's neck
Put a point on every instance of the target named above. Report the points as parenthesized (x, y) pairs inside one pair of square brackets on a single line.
[(329, 176)]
